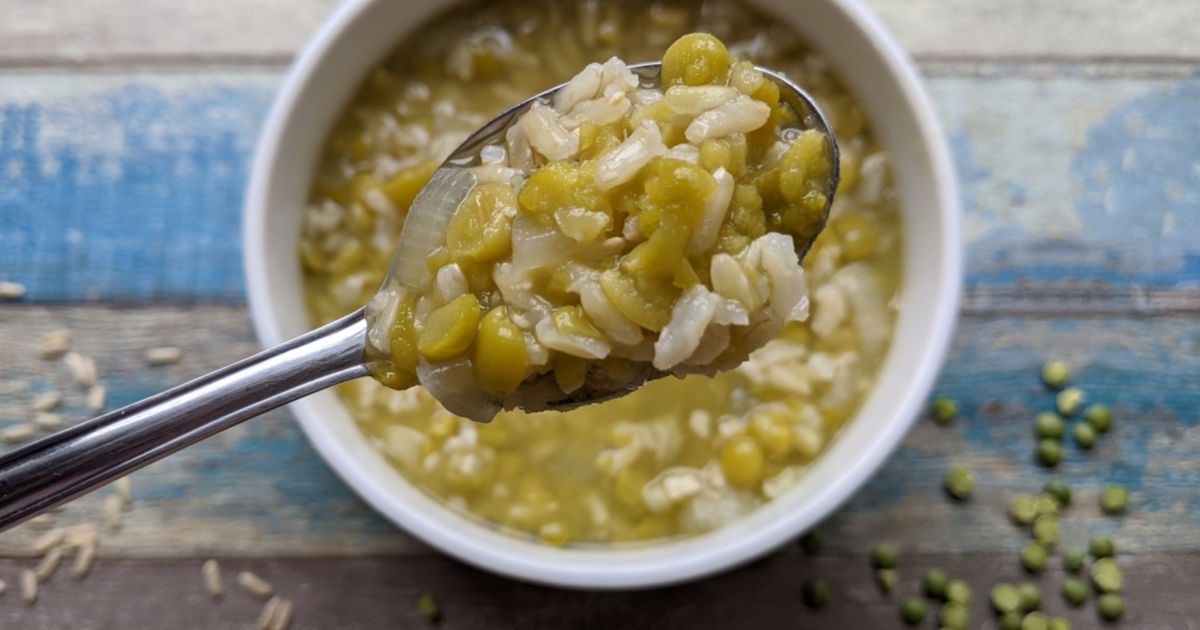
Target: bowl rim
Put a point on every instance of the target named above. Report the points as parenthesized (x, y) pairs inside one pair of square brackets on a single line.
[(510, 556)]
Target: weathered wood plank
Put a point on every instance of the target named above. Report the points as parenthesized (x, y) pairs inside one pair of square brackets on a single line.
[(260, 489), (364, 594), (106, 177), (132, 32)]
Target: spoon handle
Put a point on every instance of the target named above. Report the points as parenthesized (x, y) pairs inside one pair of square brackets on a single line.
[(74, 461)]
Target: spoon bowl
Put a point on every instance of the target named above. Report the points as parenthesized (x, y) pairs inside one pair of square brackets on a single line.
[(430, 214)]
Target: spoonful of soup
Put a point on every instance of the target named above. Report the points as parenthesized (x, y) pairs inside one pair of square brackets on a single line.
[(635, 222)]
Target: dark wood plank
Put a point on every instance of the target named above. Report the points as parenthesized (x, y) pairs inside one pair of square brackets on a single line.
[(369, 593)]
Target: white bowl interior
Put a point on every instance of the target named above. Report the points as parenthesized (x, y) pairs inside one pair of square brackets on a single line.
[(360, 33)]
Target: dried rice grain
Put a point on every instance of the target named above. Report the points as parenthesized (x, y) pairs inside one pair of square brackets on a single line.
[(48, 421), (29, 587), (49, 564), (254, 585), (85, 555), (55, 344), (212, 578), (124, 489), (268, 613), (49, 540), (11, 290), (42, 520), (166, 355), (18, 433), (3, 587), (47, 401), (79, 535), (112, 511), (82, 368), (283, 615), (95, 397)]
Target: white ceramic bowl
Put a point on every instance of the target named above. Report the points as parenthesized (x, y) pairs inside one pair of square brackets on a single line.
[(358, 35)]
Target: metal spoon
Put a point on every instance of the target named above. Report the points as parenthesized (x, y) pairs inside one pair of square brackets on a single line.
[(72, 462)]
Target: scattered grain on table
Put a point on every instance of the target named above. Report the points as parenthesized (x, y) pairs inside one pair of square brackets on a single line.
[(113, 507), (48, 541), (85, 555), (46, 401), (55, 344), (29, 587), (11, 290), (49, 564), (82, 369), (48, 421), (254, 585), (166, 355), (283, 615), (18, 433), (96, 396), (211, 571), (267, 616)]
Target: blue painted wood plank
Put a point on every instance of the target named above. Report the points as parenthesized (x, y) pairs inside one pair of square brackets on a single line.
[(261, 490), (127, 188)]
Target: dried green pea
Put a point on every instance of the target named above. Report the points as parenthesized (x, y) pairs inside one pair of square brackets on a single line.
[(1106, 575), (1049, 452), (1035, 621), (885, 579), (934, 584), (1005, 598), (1058, 489), (1110, 606), (1113, 498), (1085, 435), (1009, 621), (1073, 561), (1029, 596), (815, 593), (812, 541), (1055, 374), (959, 483), (1075, 591), (1099, 417), (1033, 557), (958, 591), (1023, 509), (1048, 425), (954, 616), (884, 556), (428, 608), (1068, 401), (1046, 530), (913, 611), (1058, 623), (945, 410), (1101, 547)]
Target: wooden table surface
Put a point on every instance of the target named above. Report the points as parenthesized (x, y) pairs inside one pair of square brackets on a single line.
[(126, 128)]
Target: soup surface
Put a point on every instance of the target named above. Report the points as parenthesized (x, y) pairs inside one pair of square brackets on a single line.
[(679, 456)]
